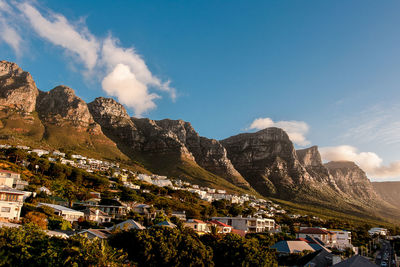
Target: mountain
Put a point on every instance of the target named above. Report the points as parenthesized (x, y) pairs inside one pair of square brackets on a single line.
[(168, 146), (351, 180), (265, 162), (56, 119), (389, 191)]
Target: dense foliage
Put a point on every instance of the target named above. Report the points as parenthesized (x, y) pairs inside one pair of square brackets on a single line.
[(30, 246)]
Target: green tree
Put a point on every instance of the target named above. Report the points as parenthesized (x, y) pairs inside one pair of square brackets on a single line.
[(163, 246), (234, 250)]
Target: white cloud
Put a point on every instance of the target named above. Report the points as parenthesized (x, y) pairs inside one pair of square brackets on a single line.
[(123, 71), (295, 129), (10, 35), (123, 84), (59, 31), (8, 32), (370, 162), (132, 86)]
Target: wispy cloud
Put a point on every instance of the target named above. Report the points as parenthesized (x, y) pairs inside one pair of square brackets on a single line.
[(8, 31), (379, 124), (370, 162), (296, 130), (123, 71)]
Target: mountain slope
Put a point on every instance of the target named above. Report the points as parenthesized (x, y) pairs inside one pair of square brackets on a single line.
[(389, 191), (170, 147)]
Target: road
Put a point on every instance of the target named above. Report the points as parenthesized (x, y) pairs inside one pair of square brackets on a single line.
[(385, 257)]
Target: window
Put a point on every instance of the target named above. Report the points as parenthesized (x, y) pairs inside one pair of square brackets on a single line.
[(5, 209)]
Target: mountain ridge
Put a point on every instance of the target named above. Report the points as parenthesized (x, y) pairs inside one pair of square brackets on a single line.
[(265, 162)]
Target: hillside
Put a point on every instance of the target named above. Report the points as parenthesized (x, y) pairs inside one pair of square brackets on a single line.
[(389, 191), (261, 163)]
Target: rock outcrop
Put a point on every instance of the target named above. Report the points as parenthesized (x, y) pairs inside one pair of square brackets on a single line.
[(17, 88), (267, 160), (61, 105), (310, 158), (351, 179), (168, 138), (208, 153)]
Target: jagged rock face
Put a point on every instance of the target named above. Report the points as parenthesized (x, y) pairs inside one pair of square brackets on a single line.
[(116, 123), (310, 158), (62, 105), (268, 161), (208, 153), (351, 179), (17, 88)]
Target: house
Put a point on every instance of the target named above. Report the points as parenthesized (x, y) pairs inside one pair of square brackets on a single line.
[(181, 215), (197, 225), (144, 209), (318, 258), (327, 237), (161, 182), (127, 225), (248, 224), (166, 224), (12, 179), (66, 213), (222, 228), (39, 152), (96, 215), (292, 246), (11, 201), (45, 190), (96, 233), (343, 239), (356, 261), (378, 231)]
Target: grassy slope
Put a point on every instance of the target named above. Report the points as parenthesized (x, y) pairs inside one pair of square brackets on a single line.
[(328, 213)]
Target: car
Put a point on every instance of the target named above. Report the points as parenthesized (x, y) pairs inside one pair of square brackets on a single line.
[(384, 264)]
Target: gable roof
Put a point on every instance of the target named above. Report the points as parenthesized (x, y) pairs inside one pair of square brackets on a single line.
[(292, 246), (356, 261), (318, 231), (100, 233), (219, 223), (166, 223), (127, 225)]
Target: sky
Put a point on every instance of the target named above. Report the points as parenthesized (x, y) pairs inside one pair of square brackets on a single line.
[(324, 71)]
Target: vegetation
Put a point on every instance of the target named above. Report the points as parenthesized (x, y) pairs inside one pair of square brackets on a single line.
[(30, 246)]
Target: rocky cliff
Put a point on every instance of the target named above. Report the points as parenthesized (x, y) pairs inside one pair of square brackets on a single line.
[(61, 105), (177, 139), (268, 161), (17, 88), (310, 158), (351, 180)]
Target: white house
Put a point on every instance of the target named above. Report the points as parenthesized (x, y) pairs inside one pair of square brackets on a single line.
[(197, 225), (328, 237), (11, 201), (248, 224), (39, 152), (66, 213), (378, 231), (343, 239)]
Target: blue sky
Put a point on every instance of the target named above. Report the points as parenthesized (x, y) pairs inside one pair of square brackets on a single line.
[(329, 66)]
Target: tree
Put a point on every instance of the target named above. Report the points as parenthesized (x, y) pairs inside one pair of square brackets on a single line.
[(36, 218), (163, 246), (30, 246), (234, 250)]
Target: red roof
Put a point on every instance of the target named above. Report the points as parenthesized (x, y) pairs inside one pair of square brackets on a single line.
[(239, 232), (198, 221), (317, 231), (219, 223)]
